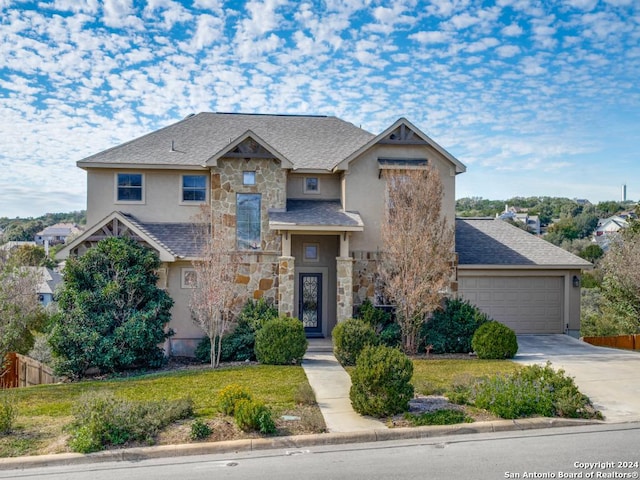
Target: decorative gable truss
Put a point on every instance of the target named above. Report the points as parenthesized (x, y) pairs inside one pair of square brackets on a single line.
[(402, 135), (249, 145)]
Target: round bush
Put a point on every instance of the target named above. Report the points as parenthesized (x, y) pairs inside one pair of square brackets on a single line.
[(380, 382), (254, 415), (281, 341), (350, 337), (229, 396), (450, 329), (493, 340)]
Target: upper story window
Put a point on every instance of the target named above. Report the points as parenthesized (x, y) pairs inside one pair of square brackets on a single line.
[(129, 187), (194, 188), (311, 185), (248, 178), (248, 228)]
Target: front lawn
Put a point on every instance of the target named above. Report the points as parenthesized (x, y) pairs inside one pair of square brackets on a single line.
[(44, 411)]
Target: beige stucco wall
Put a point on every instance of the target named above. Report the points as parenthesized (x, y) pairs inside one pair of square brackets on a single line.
[(329, 186), (365, 192), (162, 196)]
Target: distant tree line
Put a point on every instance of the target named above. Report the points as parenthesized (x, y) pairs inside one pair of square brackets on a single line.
[(25, 229)]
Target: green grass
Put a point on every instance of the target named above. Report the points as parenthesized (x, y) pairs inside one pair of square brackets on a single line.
[(276, 386), (434, 377)]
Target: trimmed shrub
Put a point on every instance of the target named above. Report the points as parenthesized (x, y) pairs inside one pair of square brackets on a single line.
[(382, 322), (380, 382), (229, 396), (254, 415), (8, 415), (101, 419), (493, 340), (350, 337), (450, 329), (281, 341), (256, 313), (199, 430)]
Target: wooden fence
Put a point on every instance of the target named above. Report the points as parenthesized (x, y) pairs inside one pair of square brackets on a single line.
[(625, 342), (23, 371)]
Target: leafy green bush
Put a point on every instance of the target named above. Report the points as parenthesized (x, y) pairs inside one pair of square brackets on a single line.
[(532, 390), (513, 397), (380, 382), (451, 328), (101, 419), (281, 341), (256, 313), (239, 345), (229, 396), (199, 430), (350, 337), (438, 417), (493, 340), (8, 415), (254, 415), (460, 389), (112, 314), (382, 322)]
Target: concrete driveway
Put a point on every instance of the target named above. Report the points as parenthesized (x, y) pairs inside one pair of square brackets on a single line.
[(608, 376)]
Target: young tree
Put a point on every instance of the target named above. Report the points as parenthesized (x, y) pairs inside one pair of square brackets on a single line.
[(214, 294), (621, 284), (112, 314), (418, 241), (20, 311)]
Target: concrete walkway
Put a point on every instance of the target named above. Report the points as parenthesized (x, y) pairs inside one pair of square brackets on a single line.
[(331, 383)]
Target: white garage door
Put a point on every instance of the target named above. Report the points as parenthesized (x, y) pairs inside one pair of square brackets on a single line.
[(525, 304)]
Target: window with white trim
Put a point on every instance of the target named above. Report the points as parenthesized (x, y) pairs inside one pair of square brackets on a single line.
[(311, 185), (129, 187), (248, 178), (188, 278), (194, 188)]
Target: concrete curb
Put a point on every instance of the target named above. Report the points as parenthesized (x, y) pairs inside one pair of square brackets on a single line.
[(297, 441)]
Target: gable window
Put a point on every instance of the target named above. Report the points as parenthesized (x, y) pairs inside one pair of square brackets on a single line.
[(194, 188), (248, 178), (248, 221), (311, 185), (129, 187)]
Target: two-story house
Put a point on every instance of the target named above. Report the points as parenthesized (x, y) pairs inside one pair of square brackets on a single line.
[(303, 197)]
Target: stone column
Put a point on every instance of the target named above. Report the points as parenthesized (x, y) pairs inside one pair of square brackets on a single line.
[(286, 285), (344, 294)]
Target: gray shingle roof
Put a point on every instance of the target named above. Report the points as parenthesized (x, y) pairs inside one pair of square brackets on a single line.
[(316, 212), (495, 242), (177, 238), (307, 141)]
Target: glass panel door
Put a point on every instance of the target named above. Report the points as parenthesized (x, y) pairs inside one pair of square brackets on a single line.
[(310, 302)]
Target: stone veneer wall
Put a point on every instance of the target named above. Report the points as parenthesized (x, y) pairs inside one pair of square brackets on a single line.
[(344, 294), (287, 286), (258, 270), (365, 283)]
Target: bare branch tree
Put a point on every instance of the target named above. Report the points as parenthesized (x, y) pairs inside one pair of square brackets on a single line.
[(416, 265), (19, 306), (214, 283)]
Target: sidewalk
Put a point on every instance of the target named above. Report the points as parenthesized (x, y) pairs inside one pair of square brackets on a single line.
[(331, 383)]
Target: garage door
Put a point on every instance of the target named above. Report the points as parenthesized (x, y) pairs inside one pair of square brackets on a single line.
[(525, 304)]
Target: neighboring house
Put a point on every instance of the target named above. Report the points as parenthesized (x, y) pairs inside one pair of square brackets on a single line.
[(56, 234), (521, 215), (49, 281), (302, 197)]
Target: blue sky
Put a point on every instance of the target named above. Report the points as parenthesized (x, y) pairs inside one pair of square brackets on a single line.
[(536, 97)]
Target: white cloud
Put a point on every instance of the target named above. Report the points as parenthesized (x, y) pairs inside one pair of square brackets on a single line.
[(508, 51), (431, 37), (586, 5), (120, 14), (512, 30)]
